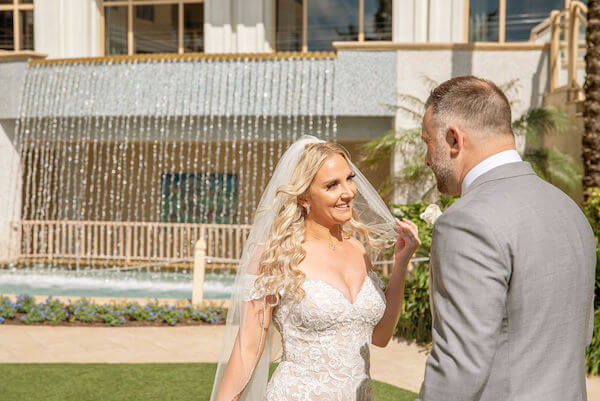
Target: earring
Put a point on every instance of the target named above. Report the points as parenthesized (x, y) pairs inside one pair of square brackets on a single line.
[(307, 209)]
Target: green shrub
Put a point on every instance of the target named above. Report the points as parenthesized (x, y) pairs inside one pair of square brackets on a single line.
[(34, 315), (24, 303), (54, 311), (592, 211), (82, 311), (111, 315), (170, 314), (7, 309), (415, 320), (592, 355), (137, 312)]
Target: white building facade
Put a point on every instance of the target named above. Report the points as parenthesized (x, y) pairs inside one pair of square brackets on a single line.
[(384, 50)]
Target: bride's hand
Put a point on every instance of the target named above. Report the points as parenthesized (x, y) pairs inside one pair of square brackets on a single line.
[(408, 241)]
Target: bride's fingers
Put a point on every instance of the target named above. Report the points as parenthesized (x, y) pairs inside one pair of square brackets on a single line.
[(411, 223), (413, 227), (407, 235)]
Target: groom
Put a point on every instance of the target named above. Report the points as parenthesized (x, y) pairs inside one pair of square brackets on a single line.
[(512, 261)]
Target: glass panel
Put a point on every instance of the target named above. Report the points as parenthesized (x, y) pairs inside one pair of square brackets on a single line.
[(155, 29), (330, 21), (193, 28), (7, 38), (183, 197), (289, 26), (27, 30), (522, 16), (378, 20), (26, 2), (115, 30), (483, 20)]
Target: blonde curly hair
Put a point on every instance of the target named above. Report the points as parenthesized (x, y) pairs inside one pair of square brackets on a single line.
[(281, 255)]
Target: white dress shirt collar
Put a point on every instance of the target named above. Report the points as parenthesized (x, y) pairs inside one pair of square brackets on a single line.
[(505, 157)]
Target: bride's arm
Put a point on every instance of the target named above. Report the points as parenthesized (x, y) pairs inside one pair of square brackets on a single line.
[(406, 245), (247, 350)]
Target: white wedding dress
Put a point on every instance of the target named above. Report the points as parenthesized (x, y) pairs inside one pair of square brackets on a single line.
[(326, 341)]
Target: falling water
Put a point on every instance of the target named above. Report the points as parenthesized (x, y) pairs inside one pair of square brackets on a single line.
[(172, 140)]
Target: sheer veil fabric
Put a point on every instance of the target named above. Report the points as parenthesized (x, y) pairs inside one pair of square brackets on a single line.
[(368, 208)]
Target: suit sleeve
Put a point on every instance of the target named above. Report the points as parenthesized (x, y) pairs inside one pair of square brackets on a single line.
[(469, 281)]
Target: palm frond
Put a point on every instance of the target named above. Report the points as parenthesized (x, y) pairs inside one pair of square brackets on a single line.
[(563, 170), (429, 83), (411, 100), (414, 115)]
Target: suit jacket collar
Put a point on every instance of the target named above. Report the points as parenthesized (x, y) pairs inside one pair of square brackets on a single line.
[(501, 172)]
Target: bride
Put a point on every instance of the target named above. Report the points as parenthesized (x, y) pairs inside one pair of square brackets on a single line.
[(306, 275)]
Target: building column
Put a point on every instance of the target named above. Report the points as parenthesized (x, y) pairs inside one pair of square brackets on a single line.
[(10, 199), (238, 26), (67, 28)]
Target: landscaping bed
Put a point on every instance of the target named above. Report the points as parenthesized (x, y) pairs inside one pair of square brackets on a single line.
[(87, 313)]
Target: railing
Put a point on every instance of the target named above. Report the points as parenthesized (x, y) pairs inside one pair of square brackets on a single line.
[(128, 241), (565, 46), (110, 241)]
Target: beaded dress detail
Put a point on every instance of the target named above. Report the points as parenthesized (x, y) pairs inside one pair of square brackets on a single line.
[(326, 342)]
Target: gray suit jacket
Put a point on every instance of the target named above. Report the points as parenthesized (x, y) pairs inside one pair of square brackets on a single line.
[(511, 291)]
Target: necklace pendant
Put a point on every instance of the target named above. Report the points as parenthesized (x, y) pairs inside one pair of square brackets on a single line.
[(333, 247)]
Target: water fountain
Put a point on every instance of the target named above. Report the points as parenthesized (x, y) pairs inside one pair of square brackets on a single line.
[(125, 162)]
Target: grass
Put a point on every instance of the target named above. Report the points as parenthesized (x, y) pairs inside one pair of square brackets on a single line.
[(131, 382)]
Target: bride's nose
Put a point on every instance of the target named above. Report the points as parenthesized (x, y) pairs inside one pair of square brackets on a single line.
[(347, 193)]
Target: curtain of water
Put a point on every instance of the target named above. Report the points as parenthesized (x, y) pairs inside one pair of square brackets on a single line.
[(173, 140)]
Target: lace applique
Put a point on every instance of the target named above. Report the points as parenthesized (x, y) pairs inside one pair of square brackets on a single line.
[(250, 292), (326, 343), (378, 281)]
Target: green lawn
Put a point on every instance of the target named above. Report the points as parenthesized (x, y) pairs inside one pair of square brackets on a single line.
[(130, 382)]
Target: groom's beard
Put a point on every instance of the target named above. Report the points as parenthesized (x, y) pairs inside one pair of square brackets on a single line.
[(442, 169)]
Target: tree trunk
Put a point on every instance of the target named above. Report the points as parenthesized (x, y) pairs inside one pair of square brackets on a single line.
[(591, 109)]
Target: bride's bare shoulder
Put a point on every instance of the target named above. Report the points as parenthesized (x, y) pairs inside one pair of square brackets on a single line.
[(357, 245)]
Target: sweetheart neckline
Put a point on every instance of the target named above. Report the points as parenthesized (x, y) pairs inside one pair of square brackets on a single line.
[(360, 290)]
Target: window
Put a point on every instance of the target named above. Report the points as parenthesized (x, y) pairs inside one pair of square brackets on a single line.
[(508, 21), (303, 25), (198, 198), (152, 26), (16, 25)]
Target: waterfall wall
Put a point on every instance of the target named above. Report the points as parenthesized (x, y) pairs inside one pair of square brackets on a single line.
[(171, 139)]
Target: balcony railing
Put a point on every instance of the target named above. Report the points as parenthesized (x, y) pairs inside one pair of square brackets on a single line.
[(567, 47)]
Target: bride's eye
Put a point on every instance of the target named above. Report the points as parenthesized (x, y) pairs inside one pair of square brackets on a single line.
[(351, 176)]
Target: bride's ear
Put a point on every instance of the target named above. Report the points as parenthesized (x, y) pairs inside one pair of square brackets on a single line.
[(302, 202)]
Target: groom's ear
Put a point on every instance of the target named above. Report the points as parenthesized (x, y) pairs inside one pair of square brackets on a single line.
[(455, 139)]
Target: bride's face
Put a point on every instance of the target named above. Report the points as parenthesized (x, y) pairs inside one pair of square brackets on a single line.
[(331, 193)]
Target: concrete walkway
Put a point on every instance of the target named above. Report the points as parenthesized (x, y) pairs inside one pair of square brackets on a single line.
[(401, 364)]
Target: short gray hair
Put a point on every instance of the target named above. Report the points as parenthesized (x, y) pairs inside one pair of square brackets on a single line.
[(477, 103)]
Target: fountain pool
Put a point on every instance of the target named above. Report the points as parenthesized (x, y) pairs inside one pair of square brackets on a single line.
[(56, 281)]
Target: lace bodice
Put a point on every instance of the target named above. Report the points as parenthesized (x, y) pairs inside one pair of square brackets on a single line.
[(325, 341)]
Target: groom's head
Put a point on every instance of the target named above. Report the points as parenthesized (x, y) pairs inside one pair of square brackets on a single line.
[(467, 119)]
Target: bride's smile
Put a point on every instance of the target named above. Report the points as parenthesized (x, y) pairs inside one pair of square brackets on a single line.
[(331, 193)]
